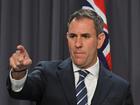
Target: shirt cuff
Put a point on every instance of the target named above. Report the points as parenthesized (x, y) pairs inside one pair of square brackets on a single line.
[(17, 85)]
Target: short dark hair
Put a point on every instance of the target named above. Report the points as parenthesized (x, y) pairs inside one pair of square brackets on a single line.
[(90, 14)]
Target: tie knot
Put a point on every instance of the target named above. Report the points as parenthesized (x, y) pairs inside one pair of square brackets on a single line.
[(83, 73)]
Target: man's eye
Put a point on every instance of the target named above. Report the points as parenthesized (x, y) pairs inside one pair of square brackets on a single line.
[(86, 36), (71, 36)]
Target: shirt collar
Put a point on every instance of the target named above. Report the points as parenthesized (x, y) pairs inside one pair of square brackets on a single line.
[(94, 70)]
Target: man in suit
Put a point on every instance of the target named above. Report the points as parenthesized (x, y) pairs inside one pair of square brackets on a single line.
[(56, 82)]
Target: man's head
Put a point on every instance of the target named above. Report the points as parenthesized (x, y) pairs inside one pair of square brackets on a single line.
[(85, 35), (90, 14)]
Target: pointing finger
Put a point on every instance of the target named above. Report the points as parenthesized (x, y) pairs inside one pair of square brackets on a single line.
[(22, 50)]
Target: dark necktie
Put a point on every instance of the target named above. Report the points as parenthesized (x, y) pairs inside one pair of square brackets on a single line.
[(81, 91)]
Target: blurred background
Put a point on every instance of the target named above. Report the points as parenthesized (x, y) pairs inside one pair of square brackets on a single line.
[(40, 25)]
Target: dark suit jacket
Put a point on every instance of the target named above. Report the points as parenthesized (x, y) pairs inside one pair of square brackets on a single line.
[(53, 83)]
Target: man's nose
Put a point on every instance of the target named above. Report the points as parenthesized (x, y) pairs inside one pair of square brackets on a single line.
[(78, 42)]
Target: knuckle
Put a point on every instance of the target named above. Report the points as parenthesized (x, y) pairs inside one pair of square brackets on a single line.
[(14, 55)]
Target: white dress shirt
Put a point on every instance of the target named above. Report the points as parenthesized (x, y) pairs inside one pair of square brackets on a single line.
[(17, 85), (90, 80)]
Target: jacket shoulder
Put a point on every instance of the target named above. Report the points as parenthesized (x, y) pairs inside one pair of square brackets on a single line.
[(115, 78), (48, 64)]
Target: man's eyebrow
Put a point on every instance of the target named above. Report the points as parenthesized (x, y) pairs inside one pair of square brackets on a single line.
[(71, 34), (82, 34), (85, 34)]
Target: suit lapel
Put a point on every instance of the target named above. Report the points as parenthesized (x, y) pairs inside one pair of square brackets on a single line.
[(104, 85), (66, 76)]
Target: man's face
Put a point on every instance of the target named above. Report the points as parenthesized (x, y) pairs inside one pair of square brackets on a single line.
[(83, 42)]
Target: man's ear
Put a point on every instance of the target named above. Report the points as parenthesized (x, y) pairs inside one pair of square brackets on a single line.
[(100, 38)]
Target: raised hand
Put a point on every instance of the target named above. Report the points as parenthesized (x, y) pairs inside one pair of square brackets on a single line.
[(20, 60)]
